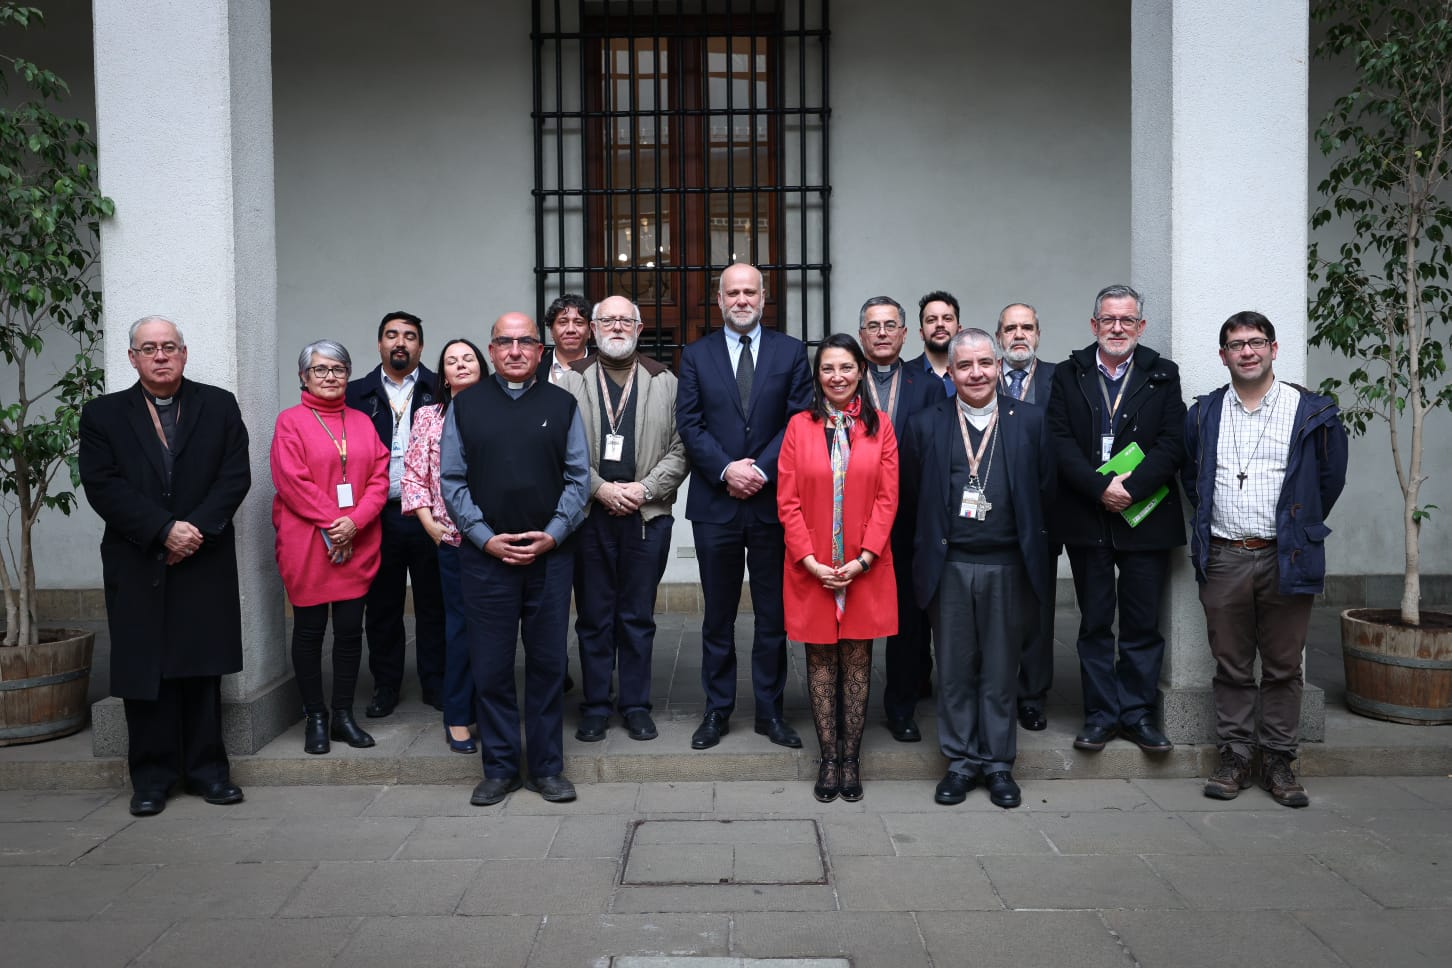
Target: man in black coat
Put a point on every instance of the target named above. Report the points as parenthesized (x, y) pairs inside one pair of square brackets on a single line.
[(1107, 396), (164, 464), (391, 394)]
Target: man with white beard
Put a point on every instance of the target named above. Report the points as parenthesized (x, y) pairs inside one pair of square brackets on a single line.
[(637, 463)]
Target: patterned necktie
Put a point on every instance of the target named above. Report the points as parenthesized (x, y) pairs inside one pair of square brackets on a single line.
[(745, 370), (1015, 384)]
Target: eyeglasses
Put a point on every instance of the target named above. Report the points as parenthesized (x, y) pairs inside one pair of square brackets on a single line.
[(506, 342), (1127, 322), (882, 326), (151, 349), (615, 322), (1258, 343), (320, 372)]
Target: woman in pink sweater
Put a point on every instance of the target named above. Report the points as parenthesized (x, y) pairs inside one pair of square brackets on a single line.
[(331, 475)]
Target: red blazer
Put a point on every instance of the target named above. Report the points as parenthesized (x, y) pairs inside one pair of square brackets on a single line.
[(804, 501)]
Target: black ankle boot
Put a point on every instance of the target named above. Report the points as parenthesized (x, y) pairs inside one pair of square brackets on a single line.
[(828, 783), (347, 730), (315, 733), (851, 780)]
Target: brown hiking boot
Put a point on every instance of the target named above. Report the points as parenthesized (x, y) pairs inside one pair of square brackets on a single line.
[(1232, 776), (1279, 780)]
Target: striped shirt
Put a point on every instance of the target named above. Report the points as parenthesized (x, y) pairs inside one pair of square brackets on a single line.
[(1250, 462)]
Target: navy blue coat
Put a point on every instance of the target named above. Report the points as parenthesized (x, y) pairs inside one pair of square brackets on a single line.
[(1028, 457), (716, 430), (367, 394), (1315, 475)]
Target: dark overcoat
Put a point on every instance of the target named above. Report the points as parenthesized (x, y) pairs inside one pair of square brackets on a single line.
[(184, 619)]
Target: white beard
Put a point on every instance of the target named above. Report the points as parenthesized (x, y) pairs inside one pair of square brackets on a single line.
[(616, 347)]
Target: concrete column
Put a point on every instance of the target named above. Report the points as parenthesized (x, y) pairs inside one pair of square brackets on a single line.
[(1219, 223), (184, 129)]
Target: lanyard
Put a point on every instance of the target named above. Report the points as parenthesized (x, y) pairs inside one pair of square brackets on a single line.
[(156, 422), (891, 394), (342, 447), (1027, 380), (398, 411), (975, 458), (613, 414), (1104, 389)]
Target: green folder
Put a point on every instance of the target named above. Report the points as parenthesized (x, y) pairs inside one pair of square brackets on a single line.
[(1124, 462)]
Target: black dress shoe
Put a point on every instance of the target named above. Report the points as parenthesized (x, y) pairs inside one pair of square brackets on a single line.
[(779, 733), (385, 700), (492, 789), (829, 780), (148, 803), (592, 729), (1147, 736), (851, 780), (713, 726), (1032, 718), (1002, 790), (346, 730), (639, 725), (222, 793), (953, 788), (555, 789), (315, 733), (1093, 738), (905, 730)]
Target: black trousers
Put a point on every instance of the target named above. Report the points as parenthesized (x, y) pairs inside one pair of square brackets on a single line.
[(407, 551), (909, 657), (177, 735), (309, 622), (1121, 680)]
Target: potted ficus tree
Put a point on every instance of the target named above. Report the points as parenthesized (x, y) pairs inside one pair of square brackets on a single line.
[(50, 325), (1382, 299)]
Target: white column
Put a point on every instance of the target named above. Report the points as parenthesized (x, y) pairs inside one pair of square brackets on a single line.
[(184, 130), (1219, 223)]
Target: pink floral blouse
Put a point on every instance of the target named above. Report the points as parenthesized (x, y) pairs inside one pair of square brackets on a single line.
[(420, 487)]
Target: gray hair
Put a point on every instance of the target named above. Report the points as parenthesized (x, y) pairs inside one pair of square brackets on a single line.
[(131, 334), (970, 335), (326, 348), (634, 309), (1119, 291), (1030, 309), (880, 301)]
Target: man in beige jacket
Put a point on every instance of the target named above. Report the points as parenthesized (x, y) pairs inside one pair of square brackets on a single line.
[(637, 463)]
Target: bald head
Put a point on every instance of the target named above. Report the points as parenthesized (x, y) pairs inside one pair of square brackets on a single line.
[(515, 347)]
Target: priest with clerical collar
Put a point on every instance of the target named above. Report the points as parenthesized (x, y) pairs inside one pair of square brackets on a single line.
[(977, 474), (515, 475)]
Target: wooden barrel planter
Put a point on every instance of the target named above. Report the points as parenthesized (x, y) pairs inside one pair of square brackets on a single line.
[(43, 687), (1396, 672)]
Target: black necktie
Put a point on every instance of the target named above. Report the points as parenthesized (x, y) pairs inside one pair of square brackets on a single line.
[(745, 370)]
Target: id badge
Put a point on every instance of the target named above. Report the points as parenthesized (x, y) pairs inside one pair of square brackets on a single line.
[(1106, 447), (345, 495), (614, 446), (972, 507)]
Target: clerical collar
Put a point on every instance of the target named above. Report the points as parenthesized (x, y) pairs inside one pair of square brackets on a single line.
[(886, 368), (515, 386), (973, 411), (159, 401)]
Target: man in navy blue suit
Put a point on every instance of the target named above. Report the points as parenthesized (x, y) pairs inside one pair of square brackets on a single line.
[(738, 387), (901, 390), (977, 475), (1026, 377)]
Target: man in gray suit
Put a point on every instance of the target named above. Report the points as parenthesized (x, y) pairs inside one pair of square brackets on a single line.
[(1026, 377)]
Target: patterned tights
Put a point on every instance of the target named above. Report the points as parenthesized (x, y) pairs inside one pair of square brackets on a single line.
[(842, 670)]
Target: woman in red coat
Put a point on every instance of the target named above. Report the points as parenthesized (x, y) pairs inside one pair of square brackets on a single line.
[(837, 496), (331, 474)]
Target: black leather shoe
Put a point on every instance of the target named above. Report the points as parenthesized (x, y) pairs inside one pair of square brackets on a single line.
[(779, 733), (829, 780), (592, 729), (639, 725), (953, 788), (905, 730), (1093, 738), (315, 733), (385, 700), (492, 789), (221, 793), (148, 803), (1002, 790), (851, 780), (555, 789), (1147, 736), (346, 730), (1032, 718), (713, 726)]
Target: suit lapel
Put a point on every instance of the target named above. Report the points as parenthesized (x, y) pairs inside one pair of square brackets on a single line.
[(139, 417), (188, 418), (722, 355), (763, 357)]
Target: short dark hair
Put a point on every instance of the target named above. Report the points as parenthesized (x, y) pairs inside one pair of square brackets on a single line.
[(1249, 319), (443, 393), (938, 295), (566, 301), (879, 301), (867, 413), (399, 314)]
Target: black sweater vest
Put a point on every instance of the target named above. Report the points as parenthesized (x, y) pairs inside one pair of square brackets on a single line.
[(515, 450)]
